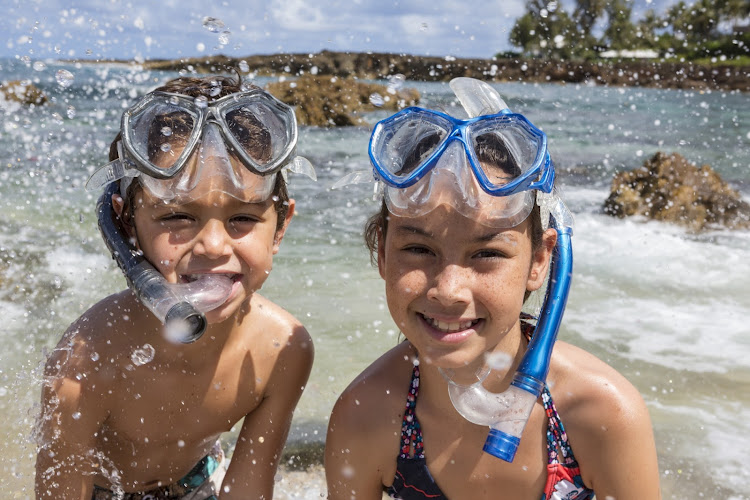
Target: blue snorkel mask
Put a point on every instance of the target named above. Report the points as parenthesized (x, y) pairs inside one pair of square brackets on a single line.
[(492, 168)]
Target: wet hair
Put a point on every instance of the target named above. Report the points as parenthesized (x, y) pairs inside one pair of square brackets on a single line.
[(251, 134)]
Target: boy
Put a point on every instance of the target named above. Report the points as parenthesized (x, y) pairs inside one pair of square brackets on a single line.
[(128, 410)]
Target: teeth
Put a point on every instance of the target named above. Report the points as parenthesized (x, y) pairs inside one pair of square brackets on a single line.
[(450, 327)]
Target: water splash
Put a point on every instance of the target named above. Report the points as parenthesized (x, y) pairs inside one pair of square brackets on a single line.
[(64, 78), (213, 24), (144, 355), (376, 99)]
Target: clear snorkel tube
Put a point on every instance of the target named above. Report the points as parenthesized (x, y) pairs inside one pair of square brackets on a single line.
[(179, 307), (507, 413)]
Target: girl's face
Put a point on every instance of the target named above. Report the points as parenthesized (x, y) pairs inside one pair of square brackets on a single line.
[(213, 234), (455, 288)]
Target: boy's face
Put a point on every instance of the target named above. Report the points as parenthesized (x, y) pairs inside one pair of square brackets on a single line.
[(213, 234)]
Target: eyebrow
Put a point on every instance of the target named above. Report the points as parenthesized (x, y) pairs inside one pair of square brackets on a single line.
[(484, 238)]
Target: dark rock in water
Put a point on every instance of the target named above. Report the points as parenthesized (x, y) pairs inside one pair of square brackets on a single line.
[(24, 92), (669, 188), (327, 101)]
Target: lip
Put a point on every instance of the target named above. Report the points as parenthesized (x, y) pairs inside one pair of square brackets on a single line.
[(450, 331)]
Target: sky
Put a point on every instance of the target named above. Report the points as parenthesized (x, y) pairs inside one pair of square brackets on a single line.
[(167, 29)]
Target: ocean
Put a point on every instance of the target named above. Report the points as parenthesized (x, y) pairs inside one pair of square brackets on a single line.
[(668, 308)]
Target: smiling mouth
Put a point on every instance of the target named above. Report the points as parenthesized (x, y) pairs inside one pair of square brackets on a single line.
[(450, 327)]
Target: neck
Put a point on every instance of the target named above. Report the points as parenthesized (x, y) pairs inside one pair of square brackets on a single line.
[(434, 385)]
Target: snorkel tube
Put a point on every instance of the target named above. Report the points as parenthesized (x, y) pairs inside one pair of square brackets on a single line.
[(179, 307), (507, 413)]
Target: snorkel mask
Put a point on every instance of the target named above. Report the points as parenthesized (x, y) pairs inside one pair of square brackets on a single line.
[(492, 168), (180, 149)]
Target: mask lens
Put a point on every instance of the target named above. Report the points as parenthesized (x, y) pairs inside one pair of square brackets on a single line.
[(506, 149), (262, 131), (160, 134), (405, 142)]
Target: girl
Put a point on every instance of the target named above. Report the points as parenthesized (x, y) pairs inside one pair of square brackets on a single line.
[(461, 241)]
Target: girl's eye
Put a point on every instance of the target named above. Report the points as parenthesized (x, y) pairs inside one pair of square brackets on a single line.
[(244, 219), (489, 254)]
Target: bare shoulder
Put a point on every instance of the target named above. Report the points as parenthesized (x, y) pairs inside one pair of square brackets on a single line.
[(364, 428), (279, 326), (590, 392), (607, 423), (93, 340)]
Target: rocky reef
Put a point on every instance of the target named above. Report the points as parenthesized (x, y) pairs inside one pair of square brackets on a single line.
[(372, 65), (669, 188), (327, 101), (23, 92)]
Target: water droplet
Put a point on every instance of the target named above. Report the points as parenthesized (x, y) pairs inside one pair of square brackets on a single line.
[(94, 356), (71, 112), (143, 355), (224, 37), (244, 67), (499, 360), (174, 100), (201, 101), (376, 99), (165, 147), (395, 82), (64, 78), (181, 443), (213, 24), (166, 131), (215, 89), (39, 66), (76, 415), (423, 27)]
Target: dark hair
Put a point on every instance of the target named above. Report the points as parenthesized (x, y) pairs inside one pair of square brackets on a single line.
[(253, 132)]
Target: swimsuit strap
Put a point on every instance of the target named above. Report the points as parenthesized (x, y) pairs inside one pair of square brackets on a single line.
[(557, 439), (411, 431)]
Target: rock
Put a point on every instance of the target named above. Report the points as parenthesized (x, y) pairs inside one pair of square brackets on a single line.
[(22, 91), (327, 101), (669, 188), (374, 65)]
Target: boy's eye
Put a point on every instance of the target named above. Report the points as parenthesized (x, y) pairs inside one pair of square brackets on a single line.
[(174, 217), (417, 250)]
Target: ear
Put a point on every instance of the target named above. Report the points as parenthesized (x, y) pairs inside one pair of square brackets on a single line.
[(280, 233), (381, 253), (540, 260)]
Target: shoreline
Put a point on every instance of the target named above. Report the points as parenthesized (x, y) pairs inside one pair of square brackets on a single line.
[(378, 66)]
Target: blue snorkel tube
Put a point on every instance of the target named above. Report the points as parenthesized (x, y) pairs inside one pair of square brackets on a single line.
[(507, 413)]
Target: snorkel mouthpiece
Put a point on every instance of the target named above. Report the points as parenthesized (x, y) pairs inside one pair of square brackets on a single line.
[(179, 307), (507, 413)]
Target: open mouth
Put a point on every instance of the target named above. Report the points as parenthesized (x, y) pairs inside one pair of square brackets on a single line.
[(190, 278), (450, 326)]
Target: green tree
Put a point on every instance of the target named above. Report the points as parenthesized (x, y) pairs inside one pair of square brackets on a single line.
[(545, 30), (620, 32)]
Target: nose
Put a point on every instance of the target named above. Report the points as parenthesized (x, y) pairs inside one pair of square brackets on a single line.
[(451, 286), (213, 240)]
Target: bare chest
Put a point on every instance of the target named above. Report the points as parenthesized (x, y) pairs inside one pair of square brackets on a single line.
[(463, 470)]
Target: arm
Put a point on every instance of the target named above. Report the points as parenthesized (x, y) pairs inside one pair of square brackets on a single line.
[(616, 449), (351, 464), (263, 435), (72, 414)]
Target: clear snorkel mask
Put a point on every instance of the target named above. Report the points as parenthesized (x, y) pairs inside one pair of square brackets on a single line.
[(180, 149), (492, 168)]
